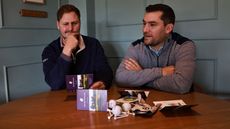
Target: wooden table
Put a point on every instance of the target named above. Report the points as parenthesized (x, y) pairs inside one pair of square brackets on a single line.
[(56, 109)]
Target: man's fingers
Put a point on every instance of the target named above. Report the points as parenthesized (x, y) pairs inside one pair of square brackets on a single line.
[(168, 70), (133, 62), (98, 85), (129, 65)]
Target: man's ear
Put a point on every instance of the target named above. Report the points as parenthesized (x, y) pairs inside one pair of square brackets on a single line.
[(169, 28), (57, 23)]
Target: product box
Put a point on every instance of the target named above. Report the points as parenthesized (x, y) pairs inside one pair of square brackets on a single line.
[(92, 100), (81, 81)]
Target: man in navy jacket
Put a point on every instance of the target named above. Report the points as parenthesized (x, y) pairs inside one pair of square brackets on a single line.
[(73, 53)]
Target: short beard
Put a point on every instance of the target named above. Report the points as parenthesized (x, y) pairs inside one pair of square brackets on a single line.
[(154, 44)]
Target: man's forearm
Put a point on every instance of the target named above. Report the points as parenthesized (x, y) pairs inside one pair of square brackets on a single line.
[(55, 73), (137, 78), (173, 83)]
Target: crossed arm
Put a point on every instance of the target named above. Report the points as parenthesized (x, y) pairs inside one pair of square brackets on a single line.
[(132, 65), (176, 78)]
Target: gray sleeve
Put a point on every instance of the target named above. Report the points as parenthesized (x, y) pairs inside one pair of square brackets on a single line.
[(181, 80), (135, 78)]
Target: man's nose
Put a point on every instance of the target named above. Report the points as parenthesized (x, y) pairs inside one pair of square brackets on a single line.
[(145, 28), (70, 27)]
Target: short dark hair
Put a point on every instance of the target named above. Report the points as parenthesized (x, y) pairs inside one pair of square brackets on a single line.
[(67, 8), (168, 15)]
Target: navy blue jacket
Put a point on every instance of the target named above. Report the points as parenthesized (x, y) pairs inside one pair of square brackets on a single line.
[(90, 60)]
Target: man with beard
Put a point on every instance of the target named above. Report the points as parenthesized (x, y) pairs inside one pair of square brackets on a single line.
[(162, 59), (73, 53)]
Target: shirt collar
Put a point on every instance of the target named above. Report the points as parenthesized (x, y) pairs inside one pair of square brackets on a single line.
[(157, 52), (81, 44)]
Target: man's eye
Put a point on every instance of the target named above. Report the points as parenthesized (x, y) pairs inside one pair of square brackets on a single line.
[(75, 23), (152, 25)]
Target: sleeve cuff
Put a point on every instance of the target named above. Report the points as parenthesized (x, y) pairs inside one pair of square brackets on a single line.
[(65, 57)]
